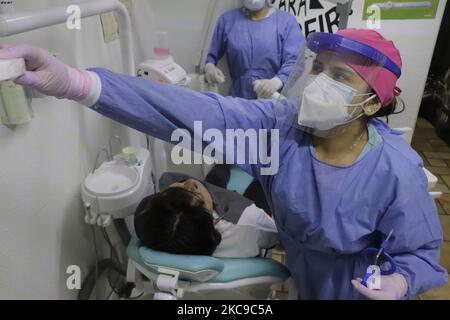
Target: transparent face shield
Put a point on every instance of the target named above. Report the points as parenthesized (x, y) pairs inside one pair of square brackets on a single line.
[(330, 84)]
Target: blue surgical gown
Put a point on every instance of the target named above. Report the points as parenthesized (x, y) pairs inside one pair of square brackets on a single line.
[(326, 215), (256, 50)]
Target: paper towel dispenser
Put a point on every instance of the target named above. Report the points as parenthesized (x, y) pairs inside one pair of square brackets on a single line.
[(15, 106)]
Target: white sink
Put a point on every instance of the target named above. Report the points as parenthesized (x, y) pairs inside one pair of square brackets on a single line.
[(111, 180), (114, 190)]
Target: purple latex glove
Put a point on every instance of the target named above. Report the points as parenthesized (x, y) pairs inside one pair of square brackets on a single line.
[(47, 74), (393, 287)]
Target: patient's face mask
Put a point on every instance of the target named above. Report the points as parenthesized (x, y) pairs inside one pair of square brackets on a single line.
[(327, 103), (254, 5)]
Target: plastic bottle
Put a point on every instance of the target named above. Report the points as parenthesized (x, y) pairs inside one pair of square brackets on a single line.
[(129, 156)]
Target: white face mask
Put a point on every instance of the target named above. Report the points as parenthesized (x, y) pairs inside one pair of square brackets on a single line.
[(254, 5), (325, 103)]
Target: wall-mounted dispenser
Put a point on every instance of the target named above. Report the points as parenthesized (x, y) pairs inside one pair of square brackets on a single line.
[(6, 7), (15, 106)]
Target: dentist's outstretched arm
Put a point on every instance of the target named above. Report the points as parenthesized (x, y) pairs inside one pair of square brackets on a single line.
[(152, 108)]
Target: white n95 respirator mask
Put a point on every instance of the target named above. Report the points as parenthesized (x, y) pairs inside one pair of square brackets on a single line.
[(325, 103), (254, 5)]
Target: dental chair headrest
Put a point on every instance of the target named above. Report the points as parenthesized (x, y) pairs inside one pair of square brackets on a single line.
[(197, 268)]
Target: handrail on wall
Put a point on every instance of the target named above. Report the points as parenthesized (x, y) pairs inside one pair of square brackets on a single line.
[(11, 24)]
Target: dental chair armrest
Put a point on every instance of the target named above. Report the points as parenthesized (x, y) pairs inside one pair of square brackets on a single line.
[(436, 194), (432, 179)]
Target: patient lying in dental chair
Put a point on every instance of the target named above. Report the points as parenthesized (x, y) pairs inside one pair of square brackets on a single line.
[(201, 218)]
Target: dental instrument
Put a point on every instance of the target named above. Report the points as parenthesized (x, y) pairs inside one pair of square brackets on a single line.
[(373, 275)]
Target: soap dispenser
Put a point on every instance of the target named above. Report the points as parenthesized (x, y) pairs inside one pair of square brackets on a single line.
[(15, 106)]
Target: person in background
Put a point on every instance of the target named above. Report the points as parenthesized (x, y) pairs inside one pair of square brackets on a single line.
[(261, 45)]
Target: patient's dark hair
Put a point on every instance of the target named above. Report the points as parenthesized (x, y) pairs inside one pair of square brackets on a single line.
[(172, 221)]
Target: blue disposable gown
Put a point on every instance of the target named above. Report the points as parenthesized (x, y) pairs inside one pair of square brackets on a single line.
[(325, 215), (256, 49)]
